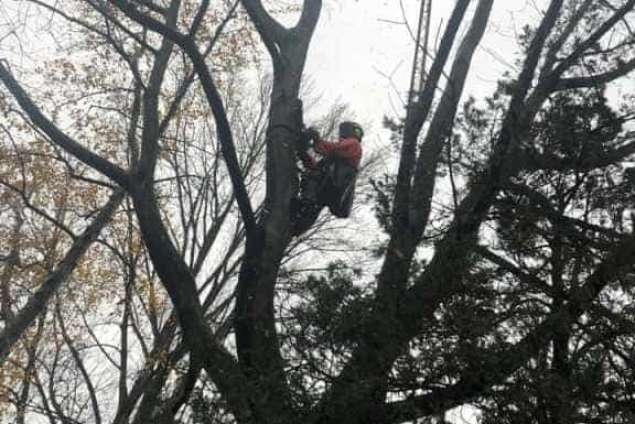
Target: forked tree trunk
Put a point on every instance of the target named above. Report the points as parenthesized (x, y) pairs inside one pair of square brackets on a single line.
[(256, 335)]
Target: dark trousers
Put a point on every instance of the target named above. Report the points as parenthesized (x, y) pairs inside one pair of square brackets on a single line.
[(306, 209)]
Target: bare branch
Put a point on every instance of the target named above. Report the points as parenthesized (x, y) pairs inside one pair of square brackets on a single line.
[(596, 80), (58, 137), (504, 264), (590, 41), (55, 279), (441, 124), (214, 100), (418, 113)]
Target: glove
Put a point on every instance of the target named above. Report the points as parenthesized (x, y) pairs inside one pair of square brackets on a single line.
[(312, 134)]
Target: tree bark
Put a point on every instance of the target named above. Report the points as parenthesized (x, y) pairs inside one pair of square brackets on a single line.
[(255, 324)]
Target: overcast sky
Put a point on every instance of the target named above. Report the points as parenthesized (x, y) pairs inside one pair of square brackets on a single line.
[(358, 45)]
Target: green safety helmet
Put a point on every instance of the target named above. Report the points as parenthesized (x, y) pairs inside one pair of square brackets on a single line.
[(350, 129)]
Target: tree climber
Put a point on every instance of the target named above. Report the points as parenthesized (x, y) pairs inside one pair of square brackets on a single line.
[(330, 181)]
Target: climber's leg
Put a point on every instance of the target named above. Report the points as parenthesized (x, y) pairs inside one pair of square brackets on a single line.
[(305, 210)]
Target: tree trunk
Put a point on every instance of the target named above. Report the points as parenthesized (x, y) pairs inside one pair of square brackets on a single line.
[(256, 335)]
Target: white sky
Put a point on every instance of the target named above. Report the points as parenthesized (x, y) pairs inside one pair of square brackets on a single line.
[(354, 50)]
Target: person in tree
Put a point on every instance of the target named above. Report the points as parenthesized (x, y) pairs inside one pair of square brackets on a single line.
[(329, 181)]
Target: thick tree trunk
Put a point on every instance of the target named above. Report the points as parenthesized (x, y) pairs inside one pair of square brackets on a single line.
[(256, 335)]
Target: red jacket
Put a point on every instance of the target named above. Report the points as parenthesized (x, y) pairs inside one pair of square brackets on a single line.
[(349, 149)]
